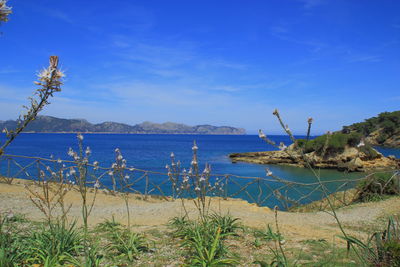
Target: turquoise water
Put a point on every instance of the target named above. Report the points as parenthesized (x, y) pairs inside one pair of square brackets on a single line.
[(152, 152)]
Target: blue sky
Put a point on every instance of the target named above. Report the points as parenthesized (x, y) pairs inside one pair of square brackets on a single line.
[(225, 62)]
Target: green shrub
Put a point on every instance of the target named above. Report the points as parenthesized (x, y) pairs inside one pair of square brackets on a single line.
[(369, 152), (208, 248), (226, 223), (268, 234), (378, 185), (56, 243), (382, 248), (336, 143), (127, 244), (205, 238)]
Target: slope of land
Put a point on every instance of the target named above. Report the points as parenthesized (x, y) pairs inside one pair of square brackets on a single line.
[(382, 130), (48, 124)]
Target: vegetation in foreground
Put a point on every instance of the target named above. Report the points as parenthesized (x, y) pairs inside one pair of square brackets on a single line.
[(220, 240)]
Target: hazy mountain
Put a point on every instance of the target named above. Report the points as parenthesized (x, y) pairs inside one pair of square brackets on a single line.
[(48, 124)]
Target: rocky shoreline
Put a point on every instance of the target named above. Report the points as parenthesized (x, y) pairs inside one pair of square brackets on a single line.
[(351, 159)]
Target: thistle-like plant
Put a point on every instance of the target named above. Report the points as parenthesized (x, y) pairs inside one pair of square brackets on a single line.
[(81, 176), (120, 178), (50, 81), (48, 194), (194, 184)]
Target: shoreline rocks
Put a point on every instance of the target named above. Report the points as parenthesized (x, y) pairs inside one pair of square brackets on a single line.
[(351, 159)]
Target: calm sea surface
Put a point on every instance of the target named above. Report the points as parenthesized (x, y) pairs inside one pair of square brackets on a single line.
[(152, 152)]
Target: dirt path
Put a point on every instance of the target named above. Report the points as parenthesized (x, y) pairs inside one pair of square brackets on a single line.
[(155, 213)]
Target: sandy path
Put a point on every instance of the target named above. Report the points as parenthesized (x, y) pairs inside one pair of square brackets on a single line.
[(156, 213)]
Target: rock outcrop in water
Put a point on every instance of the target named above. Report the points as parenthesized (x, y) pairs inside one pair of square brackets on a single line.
[(351, 159), (47, 124), (348, 150)]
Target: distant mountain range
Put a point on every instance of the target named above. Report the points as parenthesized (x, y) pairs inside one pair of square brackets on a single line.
[(48, 124)]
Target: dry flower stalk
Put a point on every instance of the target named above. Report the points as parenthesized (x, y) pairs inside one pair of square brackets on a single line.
[(5, 11), (50, 81)]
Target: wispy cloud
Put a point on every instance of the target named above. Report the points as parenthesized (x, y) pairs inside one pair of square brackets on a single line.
[(227, 88), (57, 14), (8, 70), (365, 58), (312, 3)]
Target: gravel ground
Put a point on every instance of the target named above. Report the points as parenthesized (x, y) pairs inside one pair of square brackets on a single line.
[(155, 213)]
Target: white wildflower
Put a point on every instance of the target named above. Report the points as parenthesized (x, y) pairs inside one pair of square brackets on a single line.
[(4, 11), (80, 137), (88, 151), (97, 184), (194, 148), (261, 134), (282, 146), (268, 172), (70, 152), (197, 188), (361, 144)]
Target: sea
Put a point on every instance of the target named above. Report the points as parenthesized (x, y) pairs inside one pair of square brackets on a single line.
[(152, 152)]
